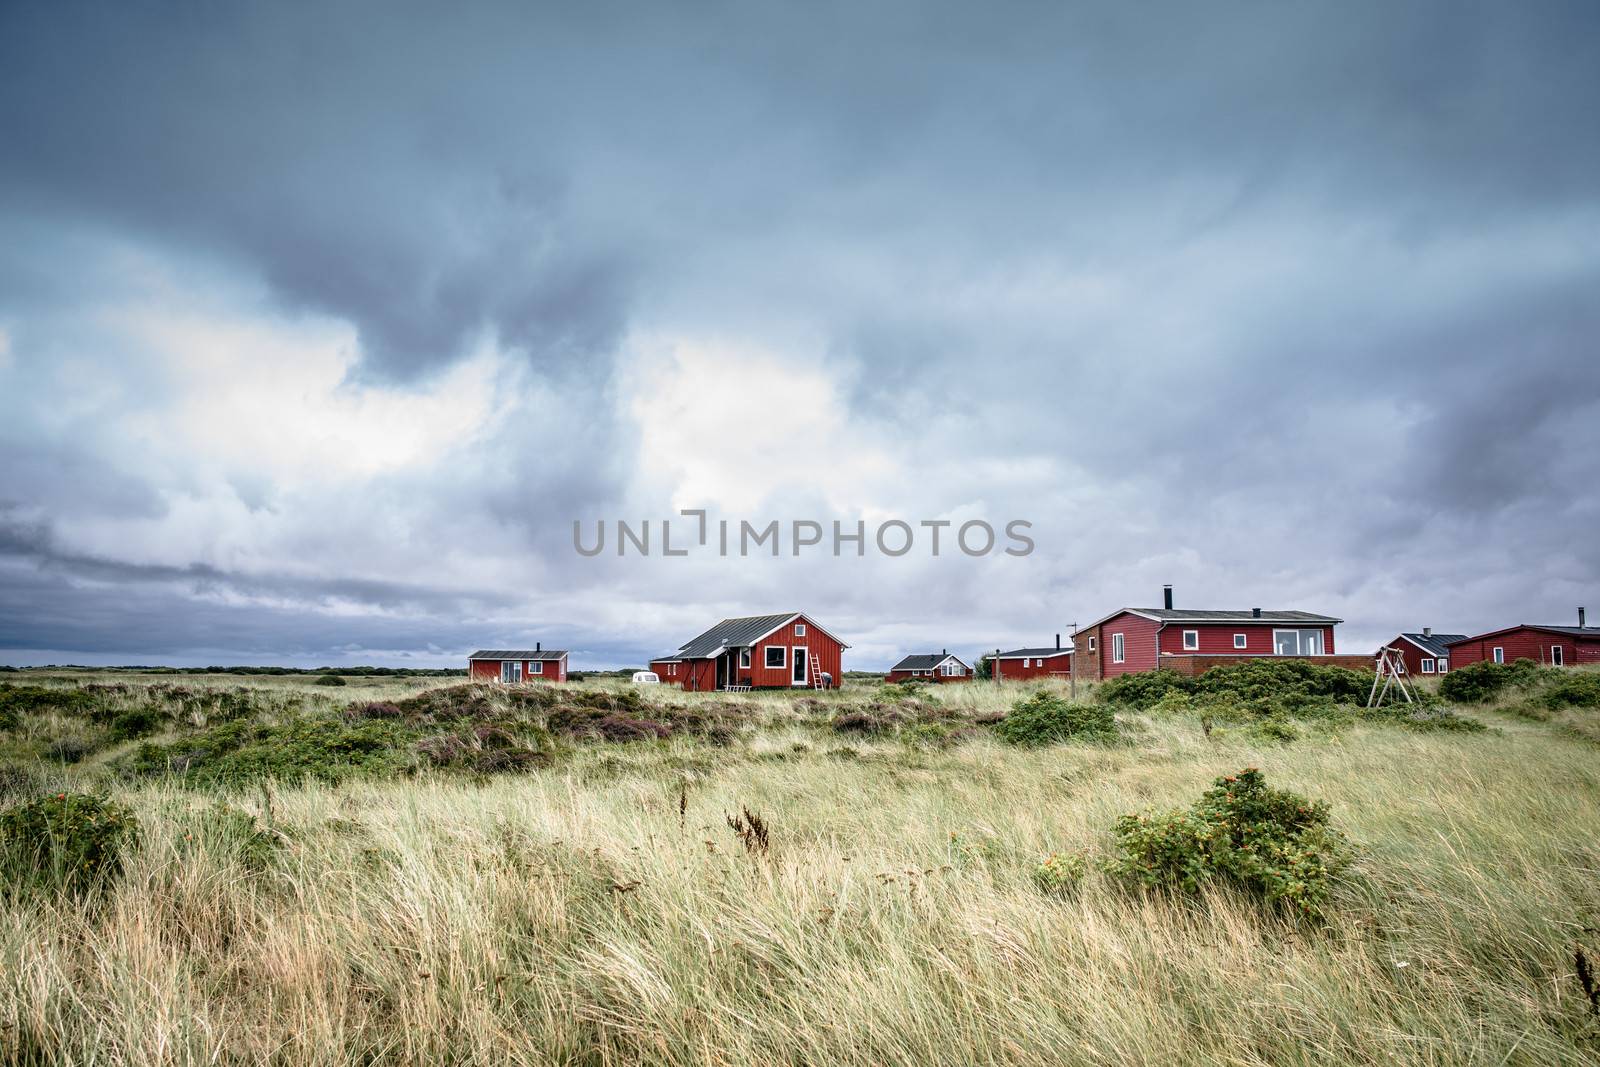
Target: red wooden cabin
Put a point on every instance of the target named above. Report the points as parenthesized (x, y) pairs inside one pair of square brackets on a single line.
[(1030, 664), (1143, 639), (1553, 646), (932, 667), (518, 665), (787, 651), (1426, 652)]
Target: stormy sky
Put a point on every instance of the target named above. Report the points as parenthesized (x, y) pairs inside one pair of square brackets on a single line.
[(320, 325)]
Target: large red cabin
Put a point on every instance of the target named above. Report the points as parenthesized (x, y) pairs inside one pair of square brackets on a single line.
[(518, 665), (1031, 664), (787, 651), (1553, 646), (1194, 641), (932, 667)]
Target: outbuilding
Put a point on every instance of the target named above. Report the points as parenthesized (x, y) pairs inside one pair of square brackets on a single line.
[(513, 665), (930, 667), (1425, 652), (1029, 664)]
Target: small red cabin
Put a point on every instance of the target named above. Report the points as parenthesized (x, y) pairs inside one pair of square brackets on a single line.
[(787, 651), (933, 667), (1194, 641), (1553, 646), (518, 665), (1426, 652), (1028, 664)]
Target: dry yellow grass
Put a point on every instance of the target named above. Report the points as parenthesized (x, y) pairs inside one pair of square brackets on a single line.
[(569, 916)]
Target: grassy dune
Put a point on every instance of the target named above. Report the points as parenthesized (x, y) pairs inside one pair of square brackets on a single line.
[(598, 909)]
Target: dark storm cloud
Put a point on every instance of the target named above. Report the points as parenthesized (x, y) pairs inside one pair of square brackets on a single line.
[(1250, 276)]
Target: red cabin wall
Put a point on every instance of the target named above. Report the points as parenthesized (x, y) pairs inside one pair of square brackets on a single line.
[(902, 676), (1216, 639), (1139, 644), (1012, 670), (1413, 657), (828, 652), (1525, 643)]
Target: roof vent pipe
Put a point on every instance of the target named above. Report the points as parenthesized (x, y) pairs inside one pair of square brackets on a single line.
[(1580, 618), (1058, 642), (1255, 613), (1166, 596), (538, 646), (1427, 631)]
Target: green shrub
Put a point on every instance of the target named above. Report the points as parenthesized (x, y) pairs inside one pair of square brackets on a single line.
[(1143, 690), (65, 842), (238, 753), (1477, 683), (1043, 719), (1286, 682), (135, 723), (1574, 690), (1060, 872), (1276, 729), (17, 699), (1274, 844), (329, 679)]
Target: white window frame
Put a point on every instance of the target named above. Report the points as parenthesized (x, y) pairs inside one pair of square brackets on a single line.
[(783, 658), (805, 676), (744, 659), (1241, 641), (1499, 654), (1443, 665), (1119, 648), (1195, 646), (1091, 642), (1299, 642), (1026, 662), (799, 629), (1558, 656), (1427, 665), (536, 666), (511, 671)]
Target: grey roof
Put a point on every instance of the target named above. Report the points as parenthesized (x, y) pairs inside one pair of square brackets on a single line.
[(518, 653), (925, 663), (733, 633), (1573, 631), (1030, 653), (670, 657), (1165, 615), (1434, 643)]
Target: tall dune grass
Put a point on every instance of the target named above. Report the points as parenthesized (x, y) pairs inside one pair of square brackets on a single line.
[(576, 915)]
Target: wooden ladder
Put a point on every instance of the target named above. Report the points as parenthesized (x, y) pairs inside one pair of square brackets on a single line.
[(816, 669)]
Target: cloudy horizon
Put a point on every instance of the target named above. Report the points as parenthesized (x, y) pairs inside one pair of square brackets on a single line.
[(319, 330)]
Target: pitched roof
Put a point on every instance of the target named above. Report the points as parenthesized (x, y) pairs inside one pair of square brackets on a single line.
[(925, 663), (1590, 632), (1199, 616), (740, 633), (1434, 644), (1035, 653), (519, 653)]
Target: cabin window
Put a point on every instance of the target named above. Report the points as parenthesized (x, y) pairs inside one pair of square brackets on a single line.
[(1499, 654), (1297, 642), (799, 629), (1444, 666), (510, 670), (1239, 640), (1191, 640), (951, 669), (1117, 648), (536, 667), (1427, 665), (1557, 656), (777, 657), (1091, 642), (744, 658)]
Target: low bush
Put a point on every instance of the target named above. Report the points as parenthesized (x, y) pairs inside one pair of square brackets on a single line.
[(329, 679), (1143, 690), (1043, 719), (16, 700), (239, 753), (135, 723), (1478, 683), (1274, 844), (65, 842), (1060, 872), (1573, 690)]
